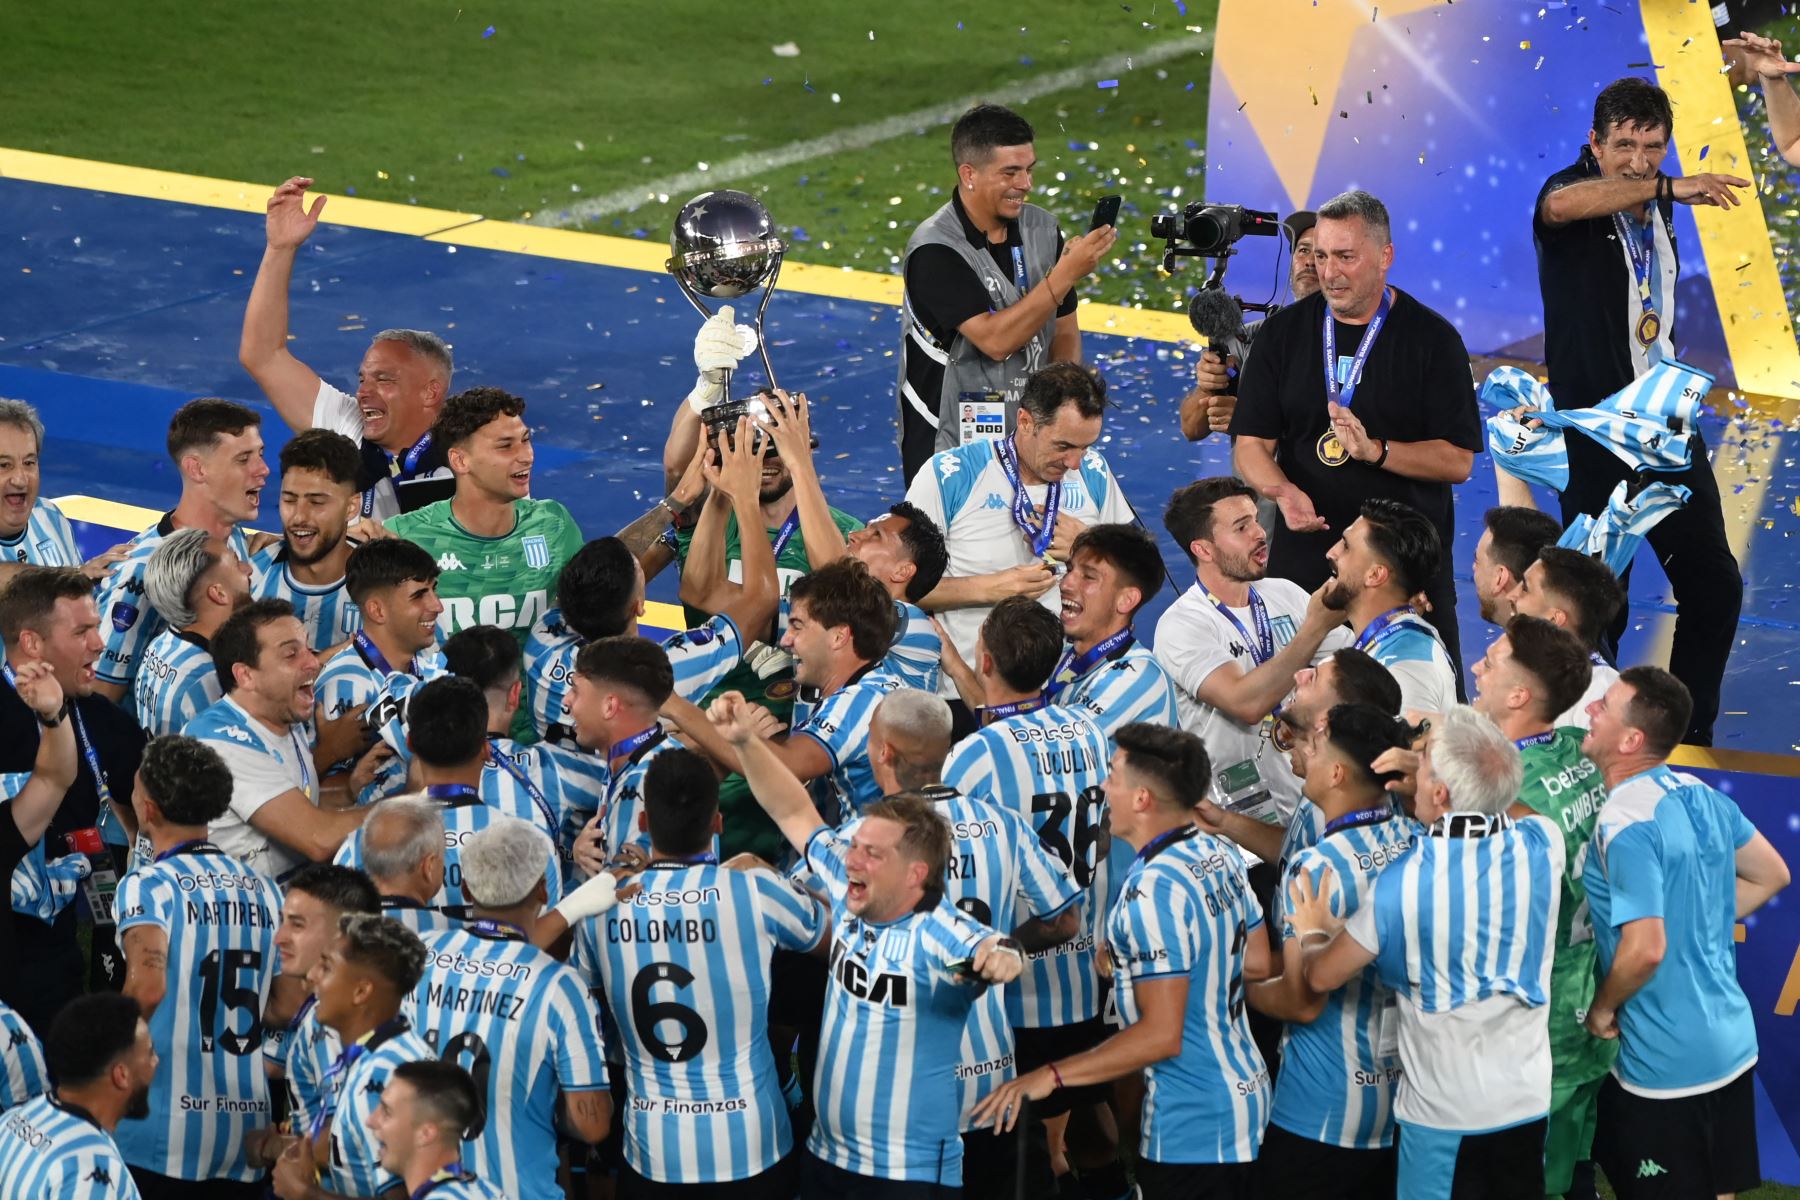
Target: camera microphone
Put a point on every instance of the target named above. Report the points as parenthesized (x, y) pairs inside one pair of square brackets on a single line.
[(1216, 316)]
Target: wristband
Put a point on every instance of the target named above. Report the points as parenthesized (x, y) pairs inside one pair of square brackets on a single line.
[(1055, 1074), (1306, 933), (62, 714), (1384, 454)]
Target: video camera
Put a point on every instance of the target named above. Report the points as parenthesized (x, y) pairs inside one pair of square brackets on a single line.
[(1209, 230)]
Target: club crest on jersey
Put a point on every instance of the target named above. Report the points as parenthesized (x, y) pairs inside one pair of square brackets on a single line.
[(781, 689), (537, 551), (124, 616)]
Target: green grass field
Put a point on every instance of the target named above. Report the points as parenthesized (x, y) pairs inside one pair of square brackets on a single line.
[(415, 101)]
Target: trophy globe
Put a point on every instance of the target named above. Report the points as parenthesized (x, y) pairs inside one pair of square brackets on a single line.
[(723, 247)]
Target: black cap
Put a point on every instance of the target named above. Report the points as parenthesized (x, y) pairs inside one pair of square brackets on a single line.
[(1297, 223)]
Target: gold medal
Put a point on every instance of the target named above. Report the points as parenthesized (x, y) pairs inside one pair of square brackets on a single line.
[(1331, 451), (1648, 326)]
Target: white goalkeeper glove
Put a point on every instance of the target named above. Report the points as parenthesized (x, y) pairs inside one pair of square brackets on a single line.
[(591, 899), (718, 348), (768, 661)]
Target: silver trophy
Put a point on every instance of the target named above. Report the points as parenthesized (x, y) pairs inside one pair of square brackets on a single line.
[(723, 247)]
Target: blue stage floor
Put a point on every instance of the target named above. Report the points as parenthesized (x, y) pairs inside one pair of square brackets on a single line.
[(116, 309)]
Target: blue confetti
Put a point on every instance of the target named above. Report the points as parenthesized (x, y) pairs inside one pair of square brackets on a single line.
[(799, 234), (488, 32), (502, 172), (349, 190), (1703, 151), (768, 81), (1025, 61), (1107, 83), (1180, 8), (1188, 88)]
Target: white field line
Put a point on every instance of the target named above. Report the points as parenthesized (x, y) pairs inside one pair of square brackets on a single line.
[(861, 137)]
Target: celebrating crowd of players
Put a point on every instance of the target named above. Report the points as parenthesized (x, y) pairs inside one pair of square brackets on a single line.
[(384, 856)]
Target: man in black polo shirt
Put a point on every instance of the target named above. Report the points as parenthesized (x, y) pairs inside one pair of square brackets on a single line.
[(990, 292), (1607, 263), (47, 614), (1395, 419)]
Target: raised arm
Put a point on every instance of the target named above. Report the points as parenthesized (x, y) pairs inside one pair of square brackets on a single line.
[(790, 424), (291, 385), (53, 771), (1765, 57), (775, 787), (1001, 333), (1589, 198)]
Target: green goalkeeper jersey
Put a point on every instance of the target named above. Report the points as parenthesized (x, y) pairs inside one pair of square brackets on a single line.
[(1563, 784)]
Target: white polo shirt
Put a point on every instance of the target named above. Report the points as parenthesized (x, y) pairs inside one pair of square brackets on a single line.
[(965, 490), (1194, 639)]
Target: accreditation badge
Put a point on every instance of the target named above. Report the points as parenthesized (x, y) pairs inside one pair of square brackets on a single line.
[(1331, 450), (980, 416)]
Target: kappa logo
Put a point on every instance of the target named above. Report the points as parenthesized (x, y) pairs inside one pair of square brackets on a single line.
[(1650, 1168), (994, 501), (238, 733), (537, 552), (948, 465), (101, 1176), (19, 1038), (449, 562)]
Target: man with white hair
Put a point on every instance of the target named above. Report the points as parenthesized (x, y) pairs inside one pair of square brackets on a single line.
[(519, 1021), (1461, 928), (196, 580), (403, 850)]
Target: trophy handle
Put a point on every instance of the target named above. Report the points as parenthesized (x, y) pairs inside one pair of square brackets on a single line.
[(762, 341)]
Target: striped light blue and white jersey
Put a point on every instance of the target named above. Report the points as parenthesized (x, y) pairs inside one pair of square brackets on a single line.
[(886, 1090), (175, 682), (840, 724), (466, 812), (997, 865), (127, 621), (349, 679), (23, 1074), (1304, 829), (684, 969), (917, 655), (264, 764), (49, 1152), (1463, 931), (624, 800), (48, 540), (1338, 1073), (326, 610), (1665, 848), (1123, 688), (1047, 766), (303, 1053), (1414, 655), (700, 657), (551, 779), (415, 916), (523, 1025), (219, 916), (459, 1184), (1186, 911), (352, 1089), (965, 490)]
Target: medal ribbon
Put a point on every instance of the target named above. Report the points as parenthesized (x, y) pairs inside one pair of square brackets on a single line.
[(1378, 629), (1262, 646), (1072, 667), (505, 931), (1039, 537), (1020, 280), (1346, 392), (785, 534), (1536, 739), (1361, 817), (1641, 250), (454, 1174), (988, 716), (328, 1088), (399, 468), (377, 661), (531, 789)]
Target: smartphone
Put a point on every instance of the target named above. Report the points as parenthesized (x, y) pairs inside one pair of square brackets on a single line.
[(1106, 212)]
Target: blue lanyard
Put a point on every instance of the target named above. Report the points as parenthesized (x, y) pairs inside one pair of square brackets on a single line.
[(1072, 668), (377, 661), (451, 791), (987, 716), (1345, 393), (1020, 280), (531, 789), (625, 748), (1594, 657), (503, 930), (1038, 536), (1163, 841), (399, 468), (448, 1175), (785, 534), (1640, 249), (188, 847), (1378, 629), (692, 860), (1262, 646), (329, 1088), (1362, 816), (1536, 739)]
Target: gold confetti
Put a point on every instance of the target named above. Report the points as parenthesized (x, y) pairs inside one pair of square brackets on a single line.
[(1525, 45), (1313, 94)]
